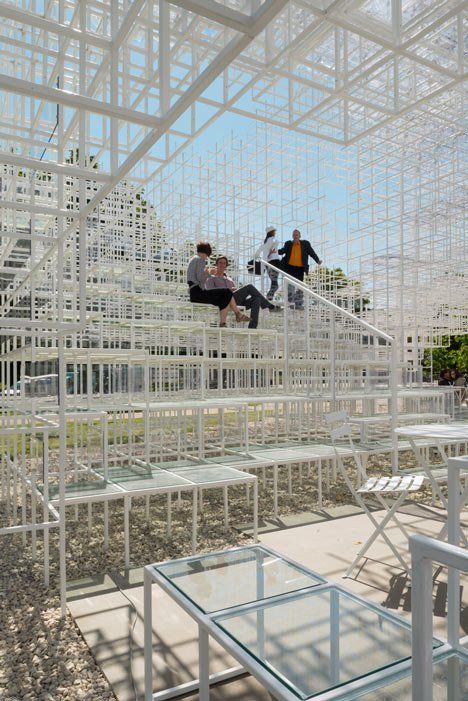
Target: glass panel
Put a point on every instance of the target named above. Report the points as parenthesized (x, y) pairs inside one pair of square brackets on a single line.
[(124, 472), (226, 459), (157, 479), (401, 690), (171, 464), (83, 489), (209, 473), (319, 640), (219, 581)]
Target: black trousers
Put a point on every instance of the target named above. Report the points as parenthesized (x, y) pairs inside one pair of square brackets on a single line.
[(295, 296), (218, 298)]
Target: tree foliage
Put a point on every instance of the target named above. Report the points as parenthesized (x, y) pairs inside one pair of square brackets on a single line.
[(454, 354)]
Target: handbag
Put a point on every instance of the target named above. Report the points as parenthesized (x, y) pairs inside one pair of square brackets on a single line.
[(254, 267)]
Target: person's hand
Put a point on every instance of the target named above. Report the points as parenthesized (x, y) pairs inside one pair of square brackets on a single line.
[(320, 262)]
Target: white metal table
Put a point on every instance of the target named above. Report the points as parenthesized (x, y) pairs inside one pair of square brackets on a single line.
[(298, 634), (364, 422), (456, 431), (441, 435)]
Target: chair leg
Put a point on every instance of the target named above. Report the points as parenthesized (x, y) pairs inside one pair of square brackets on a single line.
[(379, 530)]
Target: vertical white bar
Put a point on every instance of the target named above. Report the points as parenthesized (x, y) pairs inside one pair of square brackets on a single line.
[(453, 535), (332, 361), (106, 526), (33, 515), (164, 57), (255, 511), (148, 634), (194, 519), (286, 383), (169, 515), (204, 663), (62, 367), (45, 480), (226, 507), (334, 637), (127, 531), (421, 608), (394, 403)]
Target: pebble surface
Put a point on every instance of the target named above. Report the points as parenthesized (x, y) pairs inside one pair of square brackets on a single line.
[(44, 658)]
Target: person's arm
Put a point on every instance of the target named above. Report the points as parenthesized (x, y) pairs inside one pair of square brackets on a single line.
[(258, 252), (282, 250), (313, 254), (202, 273), (230, 284), (196, 272)]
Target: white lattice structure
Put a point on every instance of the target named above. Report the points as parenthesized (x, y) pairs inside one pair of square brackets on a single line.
[(358, 140), (389, 211)]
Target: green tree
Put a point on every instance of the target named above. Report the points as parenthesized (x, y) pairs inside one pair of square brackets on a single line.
[(454, 354)]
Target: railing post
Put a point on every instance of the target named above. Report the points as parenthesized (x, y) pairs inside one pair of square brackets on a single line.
[(286, 382), (421, 614), (394, 403), (346, 315), (425, 551), (332, 361), (453, 536)]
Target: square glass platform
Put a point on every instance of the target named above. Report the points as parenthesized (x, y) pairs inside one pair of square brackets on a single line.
[(318, 640), (452, 665), (235, 577)]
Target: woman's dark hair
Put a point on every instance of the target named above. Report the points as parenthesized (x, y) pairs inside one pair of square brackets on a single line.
[(222, 258), (271, 234), (204, 247)]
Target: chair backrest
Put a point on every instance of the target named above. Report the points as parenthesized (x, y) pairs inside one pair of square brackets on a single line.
[(336, 417), (343, 431), (340, 428)]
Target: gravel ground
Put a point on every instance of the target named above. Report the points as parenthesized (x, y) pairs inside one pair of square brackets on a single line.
[(44, 658)]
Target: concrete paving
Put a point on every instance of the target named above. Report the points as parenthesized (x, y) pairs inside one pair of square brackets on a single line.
[(109, 609)]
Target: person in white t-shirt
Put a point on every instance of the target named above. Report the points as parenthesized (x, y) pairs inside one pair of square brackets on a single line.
[(269, 251)]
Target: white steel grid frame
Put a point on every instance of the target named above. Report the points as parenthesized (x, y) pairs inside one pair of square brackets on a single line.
[(426, 551), (207, 627), (389, 211), (99, 97)]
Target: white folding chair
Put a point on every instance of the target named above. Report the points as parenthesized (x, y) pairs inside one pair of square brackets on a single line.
[(382, 489)]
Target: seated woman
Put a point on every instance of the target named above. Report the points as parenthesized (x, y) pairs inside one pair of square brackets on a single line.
[(248, 295), (197, 275)]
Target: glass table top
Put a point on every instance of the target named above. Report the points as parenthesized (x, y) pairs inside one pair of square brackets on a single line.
[(171, 464), (203, 474), (223, 580), (83, 489), (400, 689), (124, 471), (156, 479), (318, 640)]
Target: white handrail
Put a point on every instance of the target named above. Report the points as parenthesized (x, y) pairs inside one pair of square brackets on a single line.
[(371, 329), (425, 551), (375, 331)]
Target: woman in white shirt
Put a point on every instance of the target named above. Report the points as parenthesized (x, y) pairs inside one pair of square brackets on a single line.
[(269, 251)]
